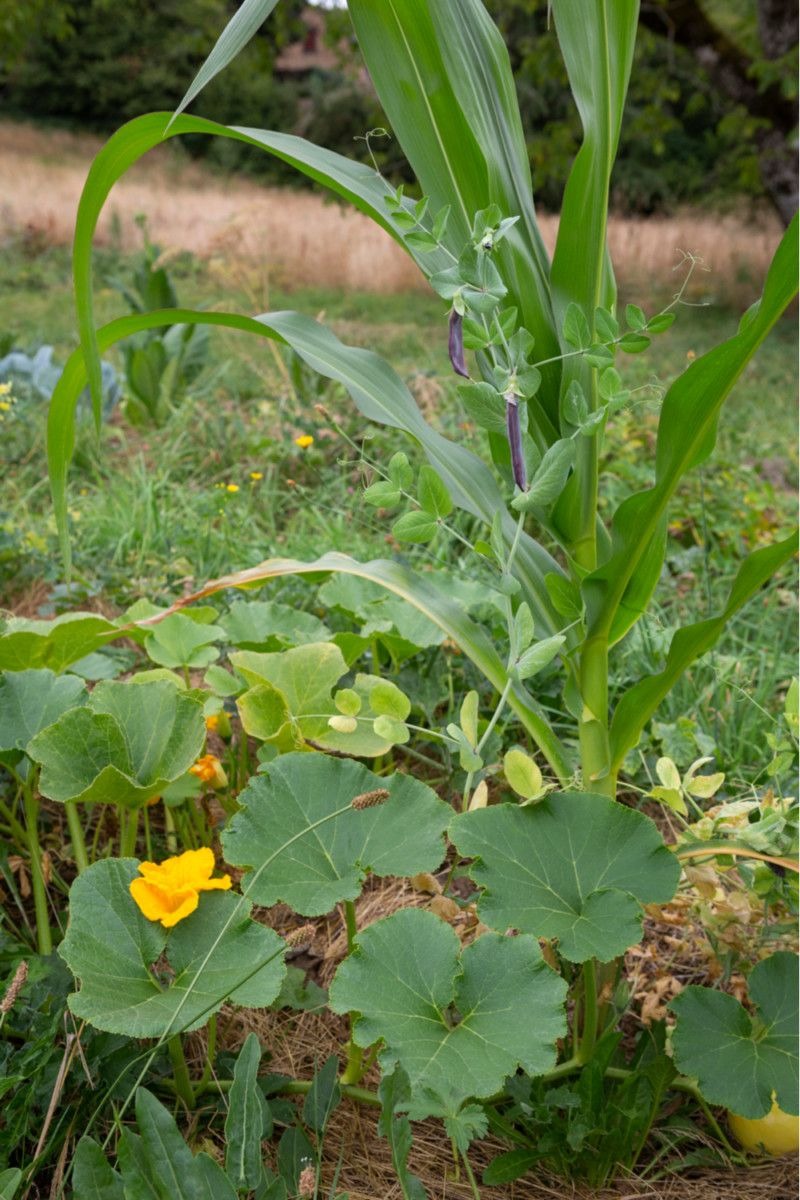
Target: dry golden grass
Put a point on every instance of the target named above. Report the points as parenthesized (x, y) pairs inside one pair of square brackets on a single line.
[(300, 239)]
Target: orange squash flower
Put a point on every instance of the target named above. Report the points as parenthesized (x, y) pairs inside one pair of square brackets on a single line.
[(209, 769), (170, 891)]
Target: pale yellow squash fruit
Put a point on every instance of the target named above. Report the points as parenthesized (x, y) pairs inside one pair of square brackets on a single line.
[(776, 1133)]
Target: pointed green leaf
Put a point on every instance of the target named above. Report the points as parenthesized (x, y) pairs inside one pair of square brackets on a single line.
[(323, 1096), (637, 705), (739, 1060), (576, 867), (394, 1125), (93, 1177), (618, 591), (457, 1023), (247, 1119), (536, 657), (433, 495), (305, 845), (123, 746), (237, 33), (32, 700), (549, 479), (415, 527), (215, 954)]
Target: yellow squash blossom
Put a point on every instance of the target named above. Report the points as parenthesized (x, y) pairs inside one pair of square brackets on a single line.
[(170, 891), (208, 769), (304, 441)]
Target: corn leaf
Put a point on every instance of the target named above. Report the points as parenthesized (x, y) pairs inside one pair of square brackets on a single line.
[(638, 704), (618, 592)]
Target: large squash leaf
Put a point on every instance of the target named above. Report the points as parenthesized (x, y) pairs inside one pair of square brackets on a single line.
[(123, 746), (304, 844), (739, 1060), (216, 954), (26, 643), (32, 700), (576, 867), (457, 1021)]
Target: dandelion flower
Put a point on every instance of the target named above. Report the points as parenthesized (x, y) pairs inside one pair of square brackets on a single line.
[(170, 891), (231, 487), (256, 475), (304, 441)]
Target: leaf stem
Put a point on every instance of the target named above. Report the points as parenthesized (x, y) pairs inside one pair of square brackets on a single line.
[(470, 1175), (180, 1071), (44, 938), (354, 1068), (589, 1030), (75, 827)]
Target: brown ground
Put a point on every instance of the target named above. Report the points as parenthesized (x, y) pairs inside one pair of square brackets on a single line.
[(303, 240)]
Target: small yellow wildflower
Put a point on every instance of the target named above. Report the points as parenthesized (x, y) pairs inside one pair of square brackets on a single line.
[(304, 441), (256, 475), (170, 891), (231, 487), (5, 406), (208, 769), (5, 389)]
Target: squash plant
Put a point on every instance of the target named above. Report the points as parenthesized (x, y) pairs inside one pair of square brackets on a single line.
[(545, 339)]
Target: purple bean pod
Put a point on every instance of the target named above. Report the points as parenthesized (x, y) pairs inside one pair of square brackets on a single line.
[(515, 442), (456, 344)]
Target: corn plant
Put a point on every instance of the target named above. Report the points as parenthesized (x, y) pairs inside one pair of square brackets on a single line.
[(544, 338)]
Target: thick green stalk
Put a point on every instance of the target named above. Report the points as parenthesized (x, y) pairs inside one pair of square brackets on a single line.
[(44, 938), (595, 755), (180, 1071), (75, 827), (129, 828), (354, 1068), (589, 1030)]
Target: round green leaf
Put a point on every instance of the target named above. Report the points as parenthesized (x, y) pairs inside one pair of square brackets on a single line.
[(739, 1060), (305, 845), (123, 746), (576, 867), (457, 1023), (415, 526), (216, 954), (32, 700)]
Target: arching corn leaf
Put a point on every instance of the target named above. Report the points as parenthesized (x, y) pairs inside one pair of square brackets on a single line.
[(304, 844), (216, 954), (457, 1021), (739, 1060), (575, 866)]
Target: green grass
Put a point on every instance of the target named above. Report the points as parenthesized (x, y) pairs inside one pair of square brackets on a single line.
[(152, 512)]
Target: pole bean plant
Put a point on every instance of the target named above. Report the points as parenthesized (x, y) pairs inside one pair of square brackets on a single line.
[(485, 1031)]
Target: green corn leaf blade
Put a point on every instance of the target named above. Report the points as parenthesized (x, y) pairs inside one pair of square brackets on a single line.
[(355, 182), (394, 1125), (323, 1096), (93, 1177), (32, 700), (55, 644), (597, 42), (739, 1060), (637, 705), (123, 746), (237, 33), (445, 83), (267, 625), (576, 867), (450, 617), (247, 1119), (407, 974), (619, 591), (377, 391), (217, 954), (304, 845)]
